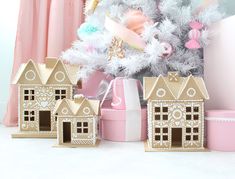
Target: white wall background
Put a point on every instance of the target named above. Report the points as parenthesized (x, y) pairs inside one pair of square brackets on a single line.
[(8, 23)]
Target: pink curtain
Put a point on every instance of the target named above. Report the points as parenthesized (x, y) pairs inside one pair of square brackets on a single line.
[(45, 28)]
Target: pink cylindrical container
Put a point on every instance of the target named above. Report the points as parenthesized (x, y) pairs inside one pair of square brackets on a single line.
[(123, 125), (220, 126)]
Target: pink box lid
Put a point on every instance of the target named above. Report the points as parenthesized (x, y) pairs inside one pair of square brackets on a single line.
[(118, 115), (221, 113)]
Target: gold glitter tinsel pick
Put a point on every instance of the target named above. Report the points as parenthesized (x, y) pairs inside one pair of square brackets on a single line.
[(91, 6), (116, 49)]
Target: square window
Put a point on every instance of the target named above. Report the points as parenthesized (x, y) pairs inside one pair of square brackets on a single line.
[(188, 137), (26, 98), (157, 109), (26, 91), (165, 130), (79, 124), (31, 118), (26, 112), (32, 91), (196, 109), (32, 112), (157, 137), (79, 84), (195, 130), (79, 130), (57, 97), (157, 130), (85, 130), (62, 97), (188, 109), (165, 117), (63, 91), (56, 114), (165, 137), (85, 124), (195, 117), (188, 130), (26, 118), (188, 117), (57, 91), (157, 117), (31, 97), (195, 137), (165, 109)]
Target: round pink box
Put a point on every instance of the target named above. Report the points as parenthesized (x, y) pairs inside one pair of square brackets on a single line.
[(113, 125), (220, 130)]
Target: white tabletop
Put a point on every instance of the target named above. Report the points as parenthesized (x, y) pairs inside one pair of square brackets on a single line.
[(37, 159)]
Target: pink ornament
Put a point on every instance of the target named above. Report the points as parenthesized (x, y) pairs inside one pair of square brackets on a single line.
[(196, 25), (194, 35), (135, 21), (167, 49), (90, 49)]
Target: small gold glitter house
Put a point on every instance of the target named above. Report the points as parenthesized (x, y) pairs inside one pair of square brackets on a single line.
[(77, 121)]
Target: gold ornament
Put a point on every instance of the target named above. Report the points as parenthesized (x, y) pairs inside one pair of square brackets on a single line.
[(91, 6), (116, 49)]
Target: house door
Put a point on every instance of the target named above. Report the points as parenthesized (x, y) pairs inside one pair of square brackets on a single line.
[(45, 120), (176, 137), (66, 132)]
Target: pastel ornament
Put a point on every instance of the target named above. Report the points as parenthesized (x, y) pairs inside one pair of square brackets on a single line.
[(167, 49), (194, 35), (135, 20), (91, 6), (126, 35), (90, 48), (86, 30), (116, 49)]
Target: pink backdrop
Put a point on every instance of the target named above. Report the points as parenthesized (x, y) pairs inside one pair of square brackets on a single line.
[(219, 60), (45, 28)]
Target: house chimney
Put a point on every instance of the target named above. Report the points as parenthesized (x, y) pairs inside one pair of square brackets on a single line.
[(78, 98), (173, 76), (50, 62)]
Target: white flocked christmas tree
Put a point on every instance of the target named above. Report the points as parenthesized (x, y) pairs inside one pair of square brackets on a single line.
[(166, 40)]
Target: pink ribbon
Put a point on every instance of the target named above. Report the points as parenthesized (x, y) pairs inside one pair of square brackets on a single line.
[(118, 98)]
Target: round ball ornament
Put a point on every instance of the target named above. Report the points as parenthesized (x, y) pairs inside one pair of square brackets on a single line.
[(86, 30), (167, 49), (135, 20)]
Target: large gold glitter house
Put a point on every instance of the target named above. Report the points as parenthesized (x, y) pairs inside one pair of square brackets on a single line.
[(175, 112), (40, 85)]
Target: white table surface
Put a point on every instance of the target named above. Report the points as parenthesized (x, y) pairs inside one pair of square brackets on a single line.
[(37, 159)]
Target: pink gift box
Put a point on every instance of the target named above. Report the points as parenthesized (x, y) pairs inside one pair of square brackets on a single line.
[(123, 119), (221, 130), (117, 125)]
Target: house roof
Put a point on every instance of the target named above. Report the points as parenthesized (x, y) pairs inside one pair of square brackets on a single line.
[(45, 70), (174, 84), (78, 103)]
